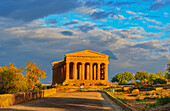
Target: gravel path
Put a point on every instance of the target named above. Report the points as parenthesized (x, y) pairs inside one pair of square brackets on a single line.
[(75, 101)]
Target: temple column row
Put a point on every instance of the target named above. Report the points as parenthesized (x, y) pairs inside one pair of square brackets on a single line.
[(90, 71)]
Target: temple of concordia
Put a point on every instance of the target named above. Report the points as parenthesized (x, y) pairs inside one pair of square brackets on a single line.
[(84, 67)]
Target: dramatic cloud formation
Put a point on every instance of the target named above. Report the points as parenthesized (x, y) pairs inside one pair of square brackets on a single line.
[(135, 34), (28, 10)]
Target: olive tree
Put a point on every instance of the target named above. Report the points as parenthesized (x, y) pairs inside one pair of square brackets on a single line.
[(141, 75), (123, 77)]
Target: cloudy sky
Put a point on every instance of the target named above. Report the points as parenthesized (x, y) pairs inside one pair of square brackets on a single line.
[(134, 33)]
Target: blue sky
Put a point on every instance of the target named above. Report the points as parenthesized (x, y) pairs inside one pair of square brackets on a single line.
[(134, 33)]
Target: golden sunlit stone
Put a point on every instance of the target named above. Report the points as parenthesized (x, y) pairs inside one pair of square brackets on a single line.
[(84, 67)]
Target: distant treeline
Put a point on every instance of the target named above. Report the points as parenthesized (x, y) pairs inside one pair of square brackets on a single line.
[(12, 79), (143, 77)]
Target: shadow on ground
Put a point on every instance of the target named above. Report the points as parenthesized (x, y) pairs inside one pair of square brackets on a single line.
[(91, 102)]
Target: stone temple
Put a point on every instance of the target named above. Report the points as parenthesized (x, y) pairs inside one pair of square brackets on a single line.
[(84, 67)]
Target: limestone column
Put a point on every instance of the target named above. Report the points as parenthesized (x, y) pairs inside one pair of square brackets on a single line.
[(94, 72), (91, 71), (98, 71), (106, 72), (67, 71), (87, 71), (82, 70), (75, 71), (79, 67)]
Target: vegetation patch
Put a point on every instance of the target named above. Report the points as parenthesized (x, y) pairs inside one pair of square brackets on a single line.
[(13, 80)]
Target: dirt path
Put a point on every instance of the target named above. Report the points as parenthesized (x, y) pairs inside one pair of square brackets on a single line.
[(75, 101)]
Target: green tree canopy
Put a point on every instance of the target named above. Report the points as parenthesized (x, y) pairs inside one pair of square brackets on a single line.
[(123, 77), (160, 75), (128, 76), (114, 79), (141, 75), (168, 70), (152, 77)]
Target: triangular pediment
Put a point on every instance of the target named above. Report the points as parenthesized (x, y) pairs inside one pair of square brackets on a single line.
[(86, 53)]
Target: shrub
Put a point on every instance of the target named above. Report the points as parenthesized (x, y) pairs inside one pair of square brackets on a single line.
[(149, 98), (66, 84), (142, 103), (159, 81), (153, 105), (38, 86), (163, 101), (146, 106), (137, 99), (123, 100), (106, 89)]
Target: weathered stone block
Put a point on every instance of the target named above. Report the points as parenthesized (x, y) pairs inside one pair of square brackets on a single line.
[(135, 91), (126, 88), (159, 88)]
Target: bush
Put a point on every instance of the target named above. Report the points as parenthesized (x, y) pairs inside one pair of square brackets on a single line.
[(159, 81), (163, 101), (38, 86), (153, 105), (106, 89), (123, 100), (149, 98), (137, 99)]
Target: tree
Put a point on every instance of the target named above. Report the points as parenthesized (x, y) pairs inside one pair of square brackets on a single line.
[(34, 73), (11, 79), (168, 71), (152, 77), (114, 79), (160, 81), (160, 75), (141, 75), (168, 66), (123, 78), (128, 76)]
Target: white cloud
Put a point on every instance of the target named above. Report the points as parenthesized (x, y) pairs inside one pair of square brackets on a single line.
[(40, 32), (167, 55), (154, 34), (166, 14), (120, 17), (140, 13), (120, 41), (86, 10), (130, 12), (165, 27), (152, 20)]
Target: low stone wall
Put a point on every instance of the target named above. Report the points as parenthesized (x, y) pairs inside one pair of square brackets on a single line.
[(11, 99), (120, 103)]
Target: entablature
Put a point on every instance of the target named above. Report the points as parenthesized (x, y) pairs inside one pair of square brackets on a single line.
[(58, 64)]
